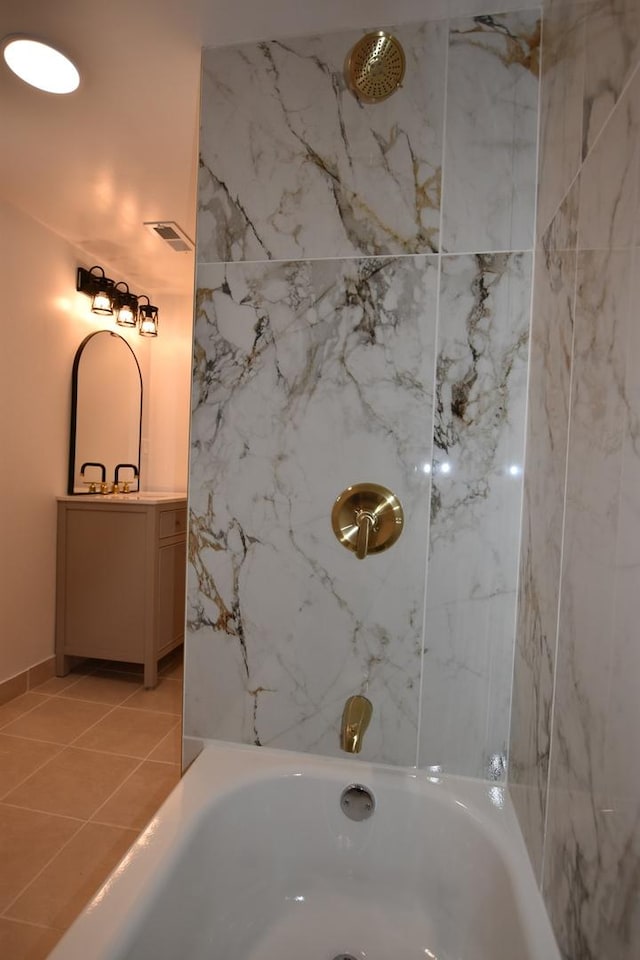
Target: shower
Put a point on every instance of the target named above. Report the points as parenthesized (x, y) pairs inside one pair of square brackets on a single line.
[(374, 68)]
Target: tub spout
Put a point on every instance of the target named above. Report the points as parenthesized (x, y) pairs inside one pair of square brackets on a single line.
[(355, 720)]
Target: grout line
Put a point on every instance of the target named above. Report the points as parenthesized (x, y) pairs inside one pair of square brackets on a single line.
[(104, 717), (584, 160), (72, 683), (525, 451), (35, 770), (119, 787), (103, 753), (141, 761), (119, 826), (108, 823), (45, 696), (30, 923), (436, 333), (121, 703), (46, 813), (82, 825), (3, 726), (556, 644), (82, 822), (426, 254), (113, 706)]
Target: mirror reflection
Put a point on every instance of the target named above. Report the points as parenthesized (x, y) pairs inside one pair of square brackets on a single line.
[(106, 415)]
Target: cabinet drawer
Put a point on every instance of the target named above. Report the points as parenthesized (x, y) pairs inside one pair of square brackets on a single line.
[(172, 523)]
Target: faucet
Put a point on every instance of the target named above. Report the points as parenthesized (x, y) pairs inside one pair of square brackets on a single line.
[(94, 463), (122, 466), (93, 486), (355, 720)]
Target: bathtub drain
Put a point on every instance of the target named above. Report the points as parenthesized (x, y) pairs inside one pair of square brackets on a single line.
[(357, 803), (345, 956)]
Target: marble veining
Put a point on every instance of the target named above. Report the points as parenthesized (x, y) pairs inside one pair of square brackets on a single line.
[(492, 98), (585, 841), (561, 99), (308, 377), (475, 506), (591, 880), (612, 53), (316, 367), (610, 179), (293, 166), (542, 524)]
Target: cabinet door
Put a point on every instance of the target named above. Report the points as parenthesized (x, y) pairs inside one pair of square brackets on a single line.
[(172, 562), (104, 593)]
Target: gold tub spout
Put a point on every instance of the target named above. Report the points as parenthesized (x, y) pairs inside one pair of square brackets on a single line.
[(355, 720)]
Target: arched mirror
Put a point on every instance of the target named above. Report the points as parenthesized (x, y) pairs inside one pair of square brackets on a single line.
[(106, 412)]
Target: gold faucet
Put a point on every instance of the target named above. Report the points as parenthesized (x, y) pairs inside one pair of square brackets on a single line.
[(355, 720)]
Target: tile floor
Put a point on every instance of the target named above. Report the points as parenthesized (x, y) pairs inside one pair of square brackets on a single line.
[(85, 761)]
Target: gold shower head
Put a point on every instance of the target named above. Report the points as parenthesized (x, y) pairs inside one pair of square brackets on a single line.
[(374, 68)]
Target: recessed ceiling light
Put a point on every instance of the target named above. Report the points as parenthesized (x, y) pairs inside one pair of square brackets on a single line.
[(41, 65)]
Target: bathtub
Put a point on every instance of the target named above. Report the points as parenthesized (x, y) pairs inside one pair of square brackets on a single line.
[(253, 858)]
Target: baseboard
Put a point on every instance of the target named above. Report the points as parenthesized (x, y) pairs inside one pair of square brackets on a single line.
[(27, 680)]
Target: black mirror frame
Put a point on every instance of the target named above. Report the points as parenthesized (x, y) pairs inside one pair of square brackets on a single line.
[(74, 416)]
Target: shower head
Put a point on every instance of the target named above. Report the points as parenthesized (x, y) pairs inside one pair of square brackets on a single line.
[(374, 67)]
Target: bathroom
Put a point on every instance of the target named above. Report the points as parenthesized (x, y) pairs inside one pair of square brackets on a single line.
[(286, 666)]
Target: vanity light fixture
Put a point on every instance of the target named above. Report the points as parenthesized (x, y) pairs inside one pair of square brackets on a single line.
[(97, 286), (108, 298), (148, 315), (40, 65), (126, 304)]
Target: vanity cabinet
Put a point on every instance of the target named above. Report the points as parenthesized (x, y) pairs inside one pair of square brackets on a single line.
[(121, 574)]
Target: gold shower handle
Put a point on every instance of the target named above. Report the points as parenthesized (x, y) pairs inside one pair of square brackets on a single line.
[(366, 524), (367, 518)]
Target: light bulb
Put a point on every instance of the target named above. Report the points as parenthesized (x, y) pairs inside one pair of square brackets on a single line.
[(126, 316), (102, 303), (148, 327)]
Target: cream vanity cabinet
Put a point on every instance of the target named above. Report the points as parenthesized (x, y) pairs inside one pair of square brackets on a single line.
[(120, 579)]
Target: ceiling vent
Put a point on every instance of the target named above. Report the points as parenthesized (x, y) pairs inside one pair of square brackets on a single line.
[(171, 234)]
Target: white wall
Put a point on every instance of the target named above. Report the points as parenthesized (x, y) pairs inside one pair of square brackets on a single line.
[(43, 321), (167, 398)]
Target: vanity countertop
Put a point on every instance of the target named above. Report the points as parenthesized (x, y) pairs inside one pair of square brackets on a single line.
[(137, 497)]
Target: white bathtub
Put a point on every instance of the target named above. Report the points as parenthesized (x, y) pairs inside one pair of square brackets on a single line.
[(252, 858)]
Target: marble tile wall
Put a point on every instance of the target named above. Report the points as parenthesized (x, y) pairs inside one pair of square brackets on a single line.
[(475, 511), (364, 276), (542, 522), (576, 713), (310, 375), (492, 112)]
